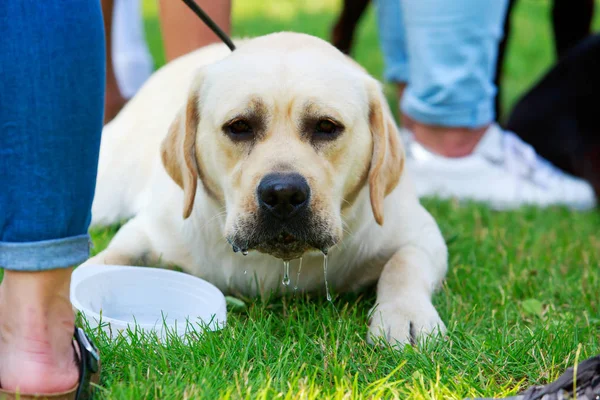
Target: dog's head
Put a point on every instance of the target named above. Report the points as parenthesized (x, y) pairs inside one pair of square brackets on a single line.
[(284, 133)]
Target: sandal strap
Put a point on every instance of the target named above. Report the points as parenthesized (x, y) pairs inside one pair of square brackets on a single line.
[(89, 365), (586, 377)]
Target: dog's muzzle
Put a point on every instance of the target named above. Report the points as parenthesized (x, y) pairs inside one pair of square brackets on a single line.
[(285, 225)]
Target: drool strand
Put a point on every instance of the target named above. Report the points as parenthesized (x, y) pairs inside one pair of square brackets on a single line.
[(325, 273), (286, 273), (329, 299), (298, 275)]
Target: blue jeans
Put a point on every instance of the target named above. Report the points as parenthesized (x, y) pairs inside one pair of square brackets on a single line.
[(52, 66), (445, 51)]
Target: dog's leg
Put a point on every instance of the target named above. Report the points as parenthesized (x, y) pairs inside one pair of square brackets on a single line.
[(404, 312), (130, 246)]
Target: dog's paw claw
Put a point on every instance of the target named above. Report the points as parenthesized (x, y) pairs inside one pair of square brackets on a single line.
[(404, 322)]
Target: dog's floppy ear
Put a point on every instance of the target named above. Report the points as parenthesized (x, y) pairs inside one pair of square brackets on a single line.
[(387, 161), (178, 149)]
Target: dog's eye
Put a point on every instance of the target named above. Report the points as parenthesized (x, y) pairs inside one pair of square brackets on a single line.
[(327, 129), (326, 126), (239, 129)]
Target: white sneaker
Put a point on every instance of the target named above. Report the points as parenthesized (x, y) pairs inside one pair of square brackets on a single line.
[(503, 171)]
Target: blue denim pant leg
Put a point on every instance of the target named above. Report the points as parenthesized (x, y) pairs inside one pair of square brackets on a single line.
[(452, 46), (52, 66), (392, 38)]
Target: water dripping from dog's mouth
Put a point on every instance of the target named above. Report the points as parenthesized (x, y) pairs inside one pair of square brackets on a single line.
[(286, 273), (298, 276), (328, 293), (325, 274)]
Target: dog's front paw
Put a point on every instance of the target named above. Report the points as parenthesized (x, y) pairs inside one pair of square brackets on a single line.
[(405, 320)]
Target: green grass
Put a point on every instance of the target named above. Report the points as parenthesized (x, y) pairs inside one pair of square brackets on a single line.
[(520, 301)]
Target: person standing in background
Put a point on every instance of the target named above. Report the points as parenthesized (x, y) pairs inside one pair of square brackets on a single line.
[(442, 55), (52, 93), (129, 62)]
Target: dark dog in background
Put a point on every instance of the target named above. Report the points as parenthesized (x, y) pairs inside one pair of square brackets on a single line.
[(559, 115), (571, 23)]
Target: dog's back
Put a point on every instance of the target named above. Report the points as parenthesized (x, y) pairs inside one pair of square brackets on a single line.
[(129, 153)]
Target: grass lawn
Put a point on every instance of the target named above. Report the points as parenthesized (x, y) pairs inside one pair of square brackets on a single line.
[(521, 300), (521, 304)]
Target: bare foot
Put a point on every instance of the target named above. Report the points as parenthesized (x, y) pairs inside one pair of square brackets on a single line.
[(36, 333)]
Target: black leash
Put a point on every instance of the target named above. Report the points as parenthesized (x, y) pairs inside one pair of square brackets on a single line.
[(210, 23)]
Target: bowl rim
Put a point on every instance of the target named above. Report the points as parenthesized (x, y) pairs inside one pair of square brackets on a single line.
[(87, 272)]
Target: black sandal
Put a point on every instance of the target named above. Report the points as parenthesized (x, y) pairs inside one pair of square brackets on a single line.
[(587, 385), (88, 360)]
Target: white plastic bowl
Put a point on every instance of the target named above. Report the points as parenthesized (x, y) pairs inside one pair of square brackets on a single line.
[(150, 299)]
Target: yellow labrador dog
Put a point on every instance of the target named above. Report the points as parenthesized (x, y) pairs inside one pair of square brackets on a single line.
[(284, 149)]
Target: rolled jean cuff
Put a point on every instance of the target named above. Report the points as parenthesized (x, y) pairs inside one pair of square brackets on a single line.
[(44, 255), (466, 116)]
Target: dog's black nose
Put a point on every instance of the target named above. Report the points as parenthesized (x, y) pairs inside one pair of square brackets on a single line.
[(283, 195)]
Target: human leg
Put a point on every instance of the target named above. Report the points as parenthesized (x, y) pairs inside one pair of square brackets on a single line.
[(183, 32), (454, 149), (52, 85), (452, 47), (133, 63), (342, 35), (392, 37), (113, 99)]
